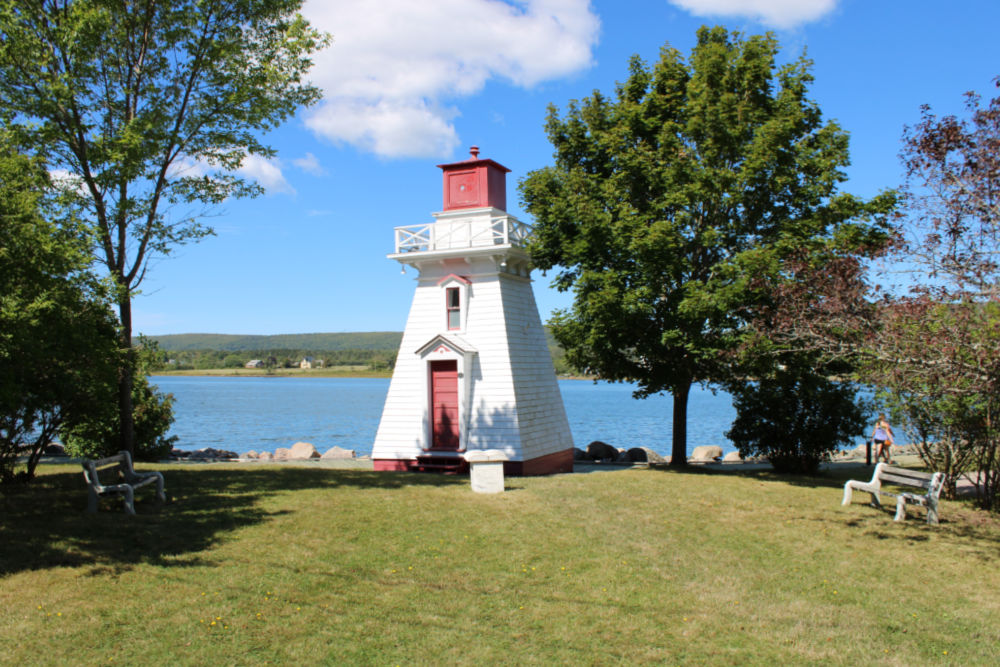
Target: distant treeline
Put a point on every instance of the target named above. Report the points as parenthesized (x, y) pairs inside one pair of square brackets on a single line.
[(374, 349), (316, 342), (274, 358)]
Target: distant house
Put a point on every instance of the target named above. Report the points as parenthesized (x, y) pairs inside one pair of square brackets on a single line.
[(307, 362), (255, 363)]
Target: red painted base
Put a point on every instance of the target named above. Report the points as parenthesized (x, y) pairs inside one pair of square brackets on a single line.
[(392, 465), (550, 464)]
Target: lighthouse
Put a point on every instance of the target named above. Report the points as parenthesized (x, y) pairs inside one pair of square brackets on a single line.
[(473, 370)]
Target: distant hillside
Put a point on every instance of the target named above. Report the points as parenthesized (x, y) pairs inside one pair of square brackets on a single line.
[(367, 347), (318, 342)]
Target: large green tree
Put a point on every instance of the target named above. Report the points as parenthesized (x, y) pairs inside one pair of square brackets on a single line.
[(146, 108), (57, 331), (669, 202)]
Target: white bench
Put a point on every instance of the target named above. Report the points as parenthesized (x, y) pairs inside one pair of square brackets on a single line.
[(930, 483), (127, 480)]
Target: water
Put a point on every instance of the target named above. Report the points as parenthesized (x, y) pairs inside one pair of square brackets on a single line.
[(243, 414)]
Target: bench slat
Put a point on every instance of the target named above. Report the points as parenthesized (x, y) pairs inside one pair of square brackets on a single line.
[(904, 480), (117, 458), (893, 470)]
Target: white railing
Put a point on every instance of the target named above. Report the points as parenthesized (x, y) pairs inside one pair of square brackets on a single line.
[(446, 234)]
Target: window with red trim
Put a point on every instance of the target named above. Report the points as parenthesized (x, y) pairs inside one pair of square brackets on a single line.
[(452, 305)]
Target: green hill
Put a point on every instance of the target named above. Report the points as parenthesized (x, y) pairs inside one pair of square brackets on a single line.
[(376, 348), (318, 342)]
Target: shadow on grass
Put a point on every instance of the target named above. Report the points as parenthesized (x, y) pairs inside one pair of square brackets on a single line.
[(44, 524), (827, 478), (976, 531)]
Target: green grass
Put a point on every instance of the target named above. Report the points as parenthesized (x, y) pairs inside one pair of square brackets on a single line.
[(299, 565)]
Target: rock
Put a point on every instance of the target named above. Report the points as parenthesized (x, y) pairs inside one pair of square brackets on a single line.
[(54, 449), (580, 455), (251, 455), (282, 454), (337, 453), (601, 451), (211, 454), (643, 454), (706, 453), (265, 456), (732, 457), (303, 450)]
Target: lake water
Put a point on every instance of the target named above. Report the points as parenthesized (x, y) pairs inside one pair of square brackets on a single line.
[(240, 414)]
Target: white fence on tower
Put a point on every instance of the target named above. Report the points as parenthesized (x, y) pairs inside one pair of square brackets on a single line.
[(471, 232)]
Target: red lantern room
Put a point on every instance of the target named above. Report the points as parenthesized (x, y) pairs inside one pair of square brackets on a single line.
[(474, 183)]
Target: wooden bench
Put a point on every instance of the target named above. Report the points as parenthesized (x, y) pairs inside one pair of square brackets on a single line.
[(930, 483), (126, 478)]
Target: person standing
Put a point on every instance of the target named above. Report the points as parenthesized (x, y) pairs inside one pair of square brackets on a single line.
[(882, 437)]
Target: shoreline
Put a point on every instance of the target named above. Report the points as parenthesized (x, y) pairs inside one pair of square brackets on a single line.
[(333, 372), (365, 461)]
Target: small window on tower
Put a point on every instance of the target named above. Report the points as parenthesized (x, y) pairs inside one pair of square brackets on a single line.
[(454, 309)]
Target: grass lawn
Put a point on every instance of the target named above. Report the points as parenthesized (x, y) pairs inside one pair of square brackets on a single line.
[(285, 565)]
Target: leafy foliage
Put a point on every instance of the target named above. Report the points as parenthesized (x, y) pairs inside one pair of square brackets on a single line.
[(142, 106), (95, 434), (667, 205), (795, 418), (939, 425), (932, 346), (57, 334)]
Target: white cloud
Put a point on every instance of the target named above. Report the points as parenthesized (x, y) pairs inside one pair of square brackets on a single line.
[(68, 182), (777, 13), (266, 172), (395, 64), (309, 164), (185, 166)]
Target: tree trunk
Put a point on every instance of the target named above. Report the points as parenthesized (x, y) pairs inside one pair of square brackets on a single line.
[(126, 373), (678, 454)]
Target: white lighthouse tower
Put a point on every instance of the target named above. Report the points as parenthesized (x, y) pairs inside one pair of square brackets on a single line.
[(473, 370)]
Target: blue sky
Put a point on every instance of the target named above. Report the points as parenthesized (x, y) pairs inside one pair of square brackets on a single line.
[(409, 85)]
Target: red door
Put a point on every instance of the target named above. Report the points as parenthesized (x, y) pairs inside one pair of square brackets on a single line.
[(444, 405)]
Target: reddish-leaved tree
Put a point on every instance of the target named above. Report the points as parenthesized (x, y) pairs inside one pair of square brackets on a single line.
[(929, 337)]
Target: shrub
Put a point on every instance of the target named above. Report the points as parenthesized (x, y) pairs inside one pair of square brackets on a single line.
[(796, 418), (97, 435)]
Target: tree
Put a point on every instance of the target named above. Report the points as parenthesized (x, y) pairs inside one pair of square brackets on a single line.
[(142, 105), (666, 203), (952, 314), (57, 332), (796, 417), (94, 434), (932, 344)]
